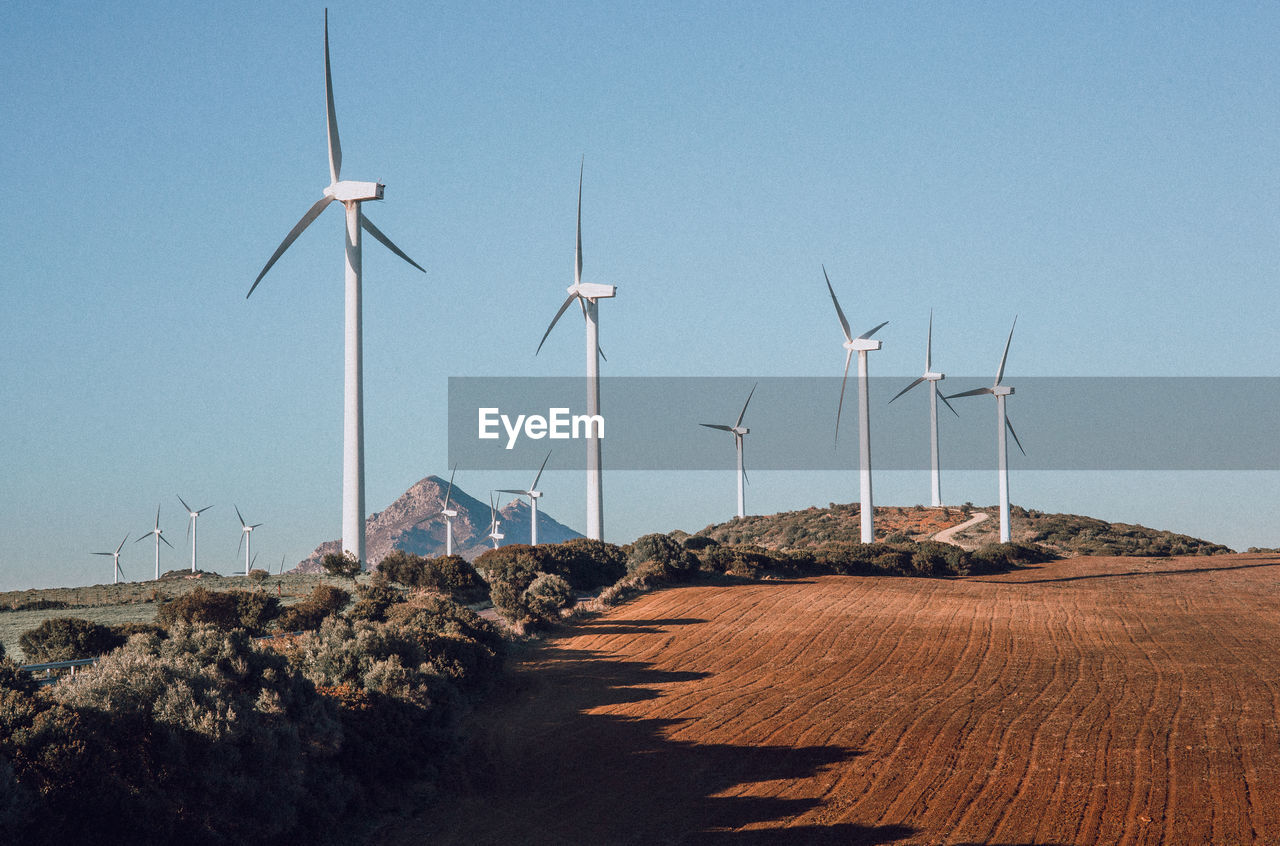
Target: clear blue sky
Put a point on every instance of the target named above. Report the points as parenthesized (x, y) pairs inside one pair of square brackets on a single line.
[(1108, 172)]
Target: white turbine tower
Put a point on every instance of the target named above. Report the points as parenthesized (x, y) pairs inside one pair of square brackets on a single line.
[(1002, 423), (246, 538), (194, 514), (534, 494), (494, 534), (861, 345), (449, 514), (159, 536), (588, 296), (933, 379), (116, 573), (351, 195), (739, 433)]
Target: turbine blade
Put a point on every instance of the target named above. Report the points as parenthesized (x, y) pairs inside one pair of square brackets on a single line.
[(312, 214), (564, 307), (253, 560), (1000, 372), (907, 388), (577, 267), (157, 516), (449, 493), (144, 537), (241, 544), (717, 426), (1015, 435), (191, 521), (510, 491), (847, 356), (255, 525), (844, 324), (949, 405), (203, 510), (745, 404), (928, 347), (534, 486), (184, 505), (335, 146), (972, 393), (871, 332), (102, 553), (386, 242), (241, 519), (121, 546), (166, 541), (601, 351)]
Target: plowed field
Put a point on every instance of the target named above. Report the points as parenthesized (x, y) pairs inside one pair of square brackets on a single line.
[(1089, 701)]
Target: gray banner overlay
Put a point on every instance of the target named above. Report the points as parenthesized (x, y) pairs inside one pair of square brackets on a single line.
[(1064, 423)]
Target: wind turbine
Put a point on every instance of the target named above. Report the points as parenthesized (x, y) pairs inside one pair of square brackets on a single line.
[(194, 514), (116, 573), (861, 345), (1002, 423), (588, 296), (739, 432), (159, 535), (246, 538), (351, 195), (449, 514), (534, 494), (933, 379), (494, 534)]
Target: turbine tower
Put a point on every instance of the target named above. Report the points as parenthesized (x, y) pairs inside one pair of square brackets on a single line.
[(449, 514), (933, 379), (494, 534), (534, 494), (159, 535), (351, 195), (194, 514), (739, 433), (1000, 391), (116, 573), (861, 345), (588, 296), (246, 538)]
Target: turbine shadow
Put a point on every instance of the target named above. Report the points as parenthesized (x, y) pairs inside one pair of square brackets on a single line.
[(1132, 573)]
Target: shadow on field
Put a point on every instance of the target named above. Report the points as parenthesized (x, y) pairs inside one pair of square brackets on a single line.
[(599, 627), (1129, 573), (543, 769)]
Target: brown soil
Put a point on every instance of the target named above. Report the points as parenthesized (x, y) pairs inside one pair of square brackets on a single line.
[(1093, 700)]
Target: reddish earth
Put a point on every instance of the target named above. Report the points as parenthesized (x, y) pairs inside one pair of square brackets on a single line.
[(1093, 700)]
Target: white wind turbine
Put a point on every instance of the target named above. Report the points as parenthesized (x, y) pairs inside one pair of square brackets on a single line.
[(861, 345), (159, 536), (116, 573), (351, 195), (1002, 423), (534, 494), (739, 433), (588, 295), (494, 534), (933, 379), (449, 514), (194, 514), (246, 538)]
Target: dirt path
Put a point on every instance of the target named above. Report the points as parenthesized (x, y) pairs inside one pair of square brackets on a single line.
[(946, 535), (1096, 700)]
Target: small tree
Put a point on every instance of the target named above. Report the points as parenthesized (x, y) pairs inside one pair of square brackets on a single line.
[(343, 564), (66, 639), (258, 576)]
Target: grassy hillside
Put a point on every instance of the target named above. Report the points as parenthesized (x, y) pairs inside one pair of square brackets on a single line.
[(1065, 534)]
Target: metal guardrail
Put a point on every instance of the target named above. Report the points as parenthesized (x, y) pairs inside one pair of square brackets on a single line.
[(52, 670)]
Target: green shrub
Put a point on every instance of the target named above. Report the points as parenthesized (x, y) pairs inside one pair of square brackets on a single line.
[(373, 600), (658, 547), (584, 563), (452, 575), (343, 565), (695, 543), (546, 596), (225, 610), (66, 639)]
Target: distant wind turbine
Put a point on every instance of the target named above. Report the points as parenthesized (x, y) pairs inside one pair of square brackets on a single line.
[(588, 296), (494, 534), (246, 539), (194, 514), (534, 494), (449, 514), (1000, 391), (739, 433), (351, 195), (116, 574), (861, 345), (933, 379), (159, 536)]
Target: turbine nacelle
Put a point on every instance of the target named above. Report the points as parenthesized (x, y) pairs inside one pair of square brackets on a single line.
[(450, 513), (862, 344), (934, 377), (354, 192), (533, 494), (592, 290), (1001, 391), (740, 430)]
